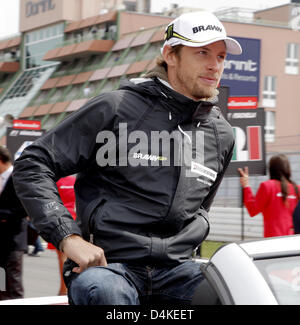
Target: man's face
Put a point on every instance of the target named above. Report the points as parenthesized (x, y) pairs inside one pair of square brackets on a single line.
[(198, 70)]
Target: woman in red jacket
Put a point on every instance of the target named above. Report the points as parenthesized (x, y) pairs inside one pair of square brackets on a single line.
[(276, 198)]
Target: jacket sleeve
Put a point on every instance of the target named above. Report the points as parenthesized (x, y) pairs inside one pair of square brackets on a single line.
[(213, 191), (65, 150), (256, 204)]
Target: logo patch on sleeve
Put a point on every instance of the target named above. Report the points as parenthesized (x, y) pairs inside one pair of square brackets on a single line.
[(203, 171)]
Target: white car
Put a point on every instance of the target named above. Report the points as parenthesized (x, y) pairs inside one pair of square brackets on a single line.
[(263, 272), (53, 300)]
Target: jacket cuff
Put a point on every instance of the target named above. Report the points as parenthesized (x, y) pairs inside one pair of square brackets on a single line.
[(64, 230)]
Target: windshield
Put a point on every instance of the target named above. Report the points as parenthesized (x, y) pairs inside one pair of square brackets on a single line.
[(283, 277)]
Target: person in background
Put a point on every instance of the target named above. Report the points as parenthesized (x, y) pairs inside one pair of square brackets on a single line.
[(66, 191), (38, 247), (276, 198), (37, 244), (13, 230)]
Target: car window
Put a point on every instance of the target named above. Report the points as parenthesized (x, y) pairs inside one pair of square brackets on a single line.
[(283, 277)]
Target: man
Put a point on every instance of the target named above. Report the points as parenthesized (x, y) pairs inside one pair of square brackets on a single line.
[(13, 231), (141, 203)]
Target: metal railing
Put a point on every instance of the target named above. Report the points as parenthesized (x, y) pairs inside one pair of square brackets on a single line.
[(234, 224), (99, 35)]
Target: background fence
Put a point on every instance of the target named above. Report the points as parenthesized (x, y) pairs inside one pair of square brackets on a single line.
[(226, 224)]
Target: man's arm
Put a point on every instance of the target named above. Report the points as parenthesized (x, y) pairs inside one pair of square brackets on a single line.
[(65, 150)]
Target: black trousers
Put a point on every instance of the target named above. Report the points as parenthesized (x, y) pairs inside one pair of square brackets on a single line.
[(13, 272)]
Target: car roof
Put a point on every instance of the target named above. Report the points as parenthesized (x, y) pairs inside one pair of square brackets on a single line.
[(273, 246), (233, 263)]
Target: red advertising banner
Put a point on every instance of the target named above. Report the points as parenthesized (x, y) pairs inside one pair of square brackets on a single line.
[(242, 103), (26, 124)]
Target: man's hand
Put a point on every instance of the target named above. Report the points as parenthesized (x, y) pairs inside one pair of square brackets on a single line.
[(83, 253), (244, 179)]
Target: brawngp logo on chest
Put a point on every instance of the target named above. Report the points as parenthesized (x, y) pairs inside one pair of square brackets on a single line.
[(156, 148)]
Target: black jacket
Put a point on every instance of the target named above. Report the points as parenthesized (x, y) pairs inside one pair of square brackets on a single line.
[(152, 211), (13, 225)]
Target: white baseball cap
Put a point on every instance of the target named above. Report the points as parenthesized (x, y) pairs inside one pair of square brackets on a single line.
[(198, 29)]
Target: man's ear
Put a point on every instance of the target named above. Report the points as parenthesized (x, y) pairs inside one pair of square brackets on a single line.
[(169, 56)]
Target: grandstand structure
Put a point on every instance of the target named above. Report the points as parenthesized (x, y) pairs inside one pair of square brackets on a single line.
[(83, 59)]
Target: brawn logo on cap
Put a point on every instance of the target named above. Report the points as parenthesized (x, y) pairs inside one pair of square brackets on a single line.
[(207, 27)]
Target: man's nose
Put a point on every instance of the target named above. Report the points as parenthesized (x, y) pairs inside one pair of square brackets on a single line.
[(214, 64)]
